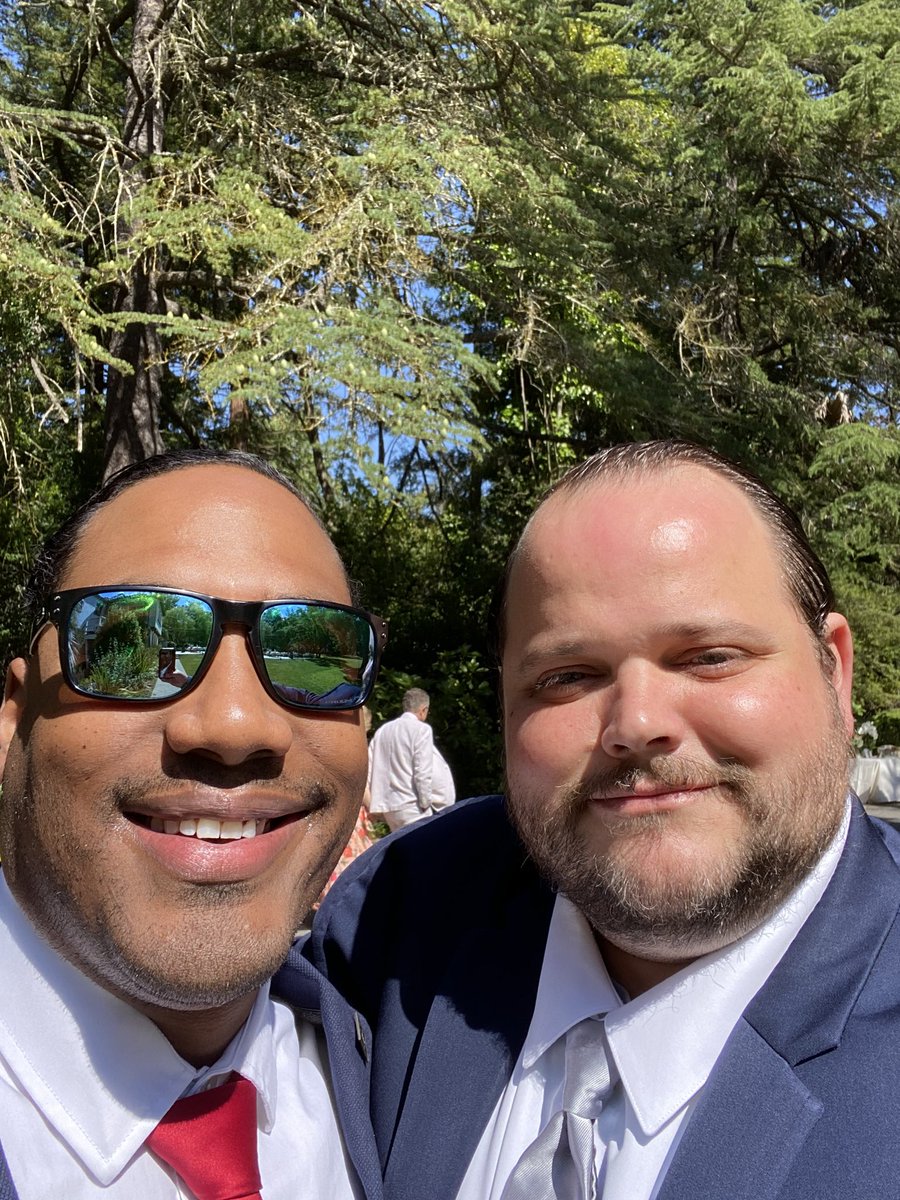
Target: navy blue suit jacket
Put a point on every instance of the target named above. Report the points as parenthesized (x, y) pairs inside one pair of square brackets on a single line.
[(437, 936), (348, 1039)]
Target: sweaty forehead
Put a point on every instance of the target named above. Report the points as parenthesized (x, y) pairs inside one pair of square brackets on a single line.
[(214, 528)]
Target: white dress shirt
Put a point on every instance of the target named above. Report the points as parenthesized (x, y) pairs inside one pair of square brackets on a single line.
[(443, 789), (85, 1078), (401, 760), (664, 1045)]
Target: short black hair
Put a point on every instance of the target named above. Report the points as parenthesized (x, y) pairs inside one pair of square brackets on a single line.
[(804, 573), (56, 552)]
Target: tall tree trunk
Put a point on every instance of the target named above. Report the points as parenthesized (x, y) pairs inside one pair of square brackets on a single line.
[(239, 423), (133, 400)]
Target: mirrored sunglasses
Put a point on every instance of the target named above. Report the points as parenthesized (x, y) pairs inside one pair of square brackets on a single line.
[(148, 644)]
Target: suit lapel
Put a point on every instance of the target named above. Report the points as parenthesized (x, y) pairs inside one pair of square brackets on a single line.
[(804, 1007), (7, 1187), (469, 1045), (755, 1113), (349, 1041), (749, 1125)]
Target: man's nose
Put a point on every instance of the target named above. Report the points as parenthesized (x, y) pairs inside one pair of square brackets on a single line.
[(229, 716), (643, 712)]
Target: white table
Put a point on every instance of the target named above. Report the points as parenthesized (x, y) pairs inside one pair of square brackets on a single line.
[(876, 780)]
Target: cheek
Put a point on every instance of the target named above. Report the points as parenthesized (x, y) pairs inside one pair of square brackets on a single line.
[(751, 722), (339, 751), (81, 751), (554, 742)]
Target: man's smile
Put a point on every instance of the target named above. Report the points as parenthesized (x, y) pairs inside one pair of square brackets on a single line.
[(212, 828)]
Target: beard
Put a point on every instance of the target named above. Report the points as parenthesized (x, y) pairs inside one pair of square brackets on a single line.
[(197, 952), (656, 890)]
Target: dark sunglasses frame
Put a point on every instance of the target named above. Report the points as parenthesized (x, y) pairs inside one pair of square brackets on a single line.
[(58, 608)]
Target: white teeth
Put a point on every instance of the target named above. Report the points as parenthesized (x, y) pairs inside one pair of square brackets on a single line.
[(209, 828)]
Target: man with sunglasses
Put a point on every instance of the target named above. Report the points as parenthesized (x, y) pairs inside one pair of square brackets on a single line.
[(183, 759), (666, 966)]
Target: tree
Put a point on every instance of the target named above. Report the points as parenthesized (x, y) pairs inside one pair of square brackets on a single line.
[(424, 258), (242, 207), (856, 521)]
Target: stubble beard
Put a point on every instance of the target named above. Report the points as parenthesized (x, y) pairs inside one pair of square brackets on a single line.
[(208, 961), (787, 825)]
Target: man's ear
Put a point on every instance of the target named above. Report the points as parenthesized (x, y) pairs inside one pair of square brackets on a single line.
[(839, 644), (13, 708)]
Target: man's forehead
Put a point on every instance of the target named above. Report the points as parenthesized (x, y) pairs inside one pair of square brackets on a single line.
[(608, 539), (219, 523), (671, 509)]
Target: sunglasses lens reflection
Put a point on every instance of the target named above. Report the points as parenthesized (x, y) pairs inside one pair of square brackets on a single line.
[(137, 645), (131, 644), (315, 654)]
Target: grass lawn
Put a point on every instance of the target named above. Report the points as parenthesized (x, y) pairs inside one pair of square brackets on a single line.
[(295, 672)]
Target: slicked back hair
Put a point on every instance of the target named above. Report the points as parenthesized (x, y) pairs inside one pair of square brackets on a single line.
[(804, 573), (54, 556)]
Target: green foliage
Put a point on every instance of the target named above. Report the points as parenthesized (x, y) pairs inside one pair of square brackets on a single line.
[(854, 517), (187, 624), (120, 632), (122, 669), (423, 261), (774, 219), (888, 724), (118, 661), (293, 249), (466, 726)]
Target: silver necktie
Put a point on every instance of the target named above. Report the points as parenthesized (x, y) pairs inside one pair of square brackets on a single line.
[(559, 1163)]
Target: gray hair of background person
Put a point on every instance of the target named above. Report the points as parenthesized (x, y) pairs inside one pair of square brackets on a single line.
[(414, 699)]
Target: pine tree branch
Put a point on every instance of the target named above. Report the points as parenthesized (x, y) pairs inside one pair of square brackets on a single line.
[(88, 53)]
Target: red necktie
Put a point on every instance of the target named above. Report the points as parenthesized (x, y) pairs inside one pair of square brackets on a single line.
[(210, 1141)]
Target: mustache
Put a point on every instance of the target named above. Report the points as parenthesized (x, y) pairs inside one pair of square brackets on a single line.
[(663, 771), (131, 792), (207, 772)]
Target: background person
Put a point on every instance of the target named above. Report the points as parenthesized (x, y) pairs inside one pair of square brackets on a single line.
[(666, 966), (401, 764), (443, 789)]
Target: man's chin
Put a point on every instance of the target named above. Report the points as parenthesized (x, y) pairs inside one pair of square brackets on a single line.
[(666, 893), (189, 963), (197, 982), (653, 862)]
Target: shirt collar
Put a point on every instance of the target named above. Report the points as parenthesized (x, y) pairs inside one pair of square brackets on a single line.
[(101, 1073), (574, 982), (666, 1041), (251, 1053)]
